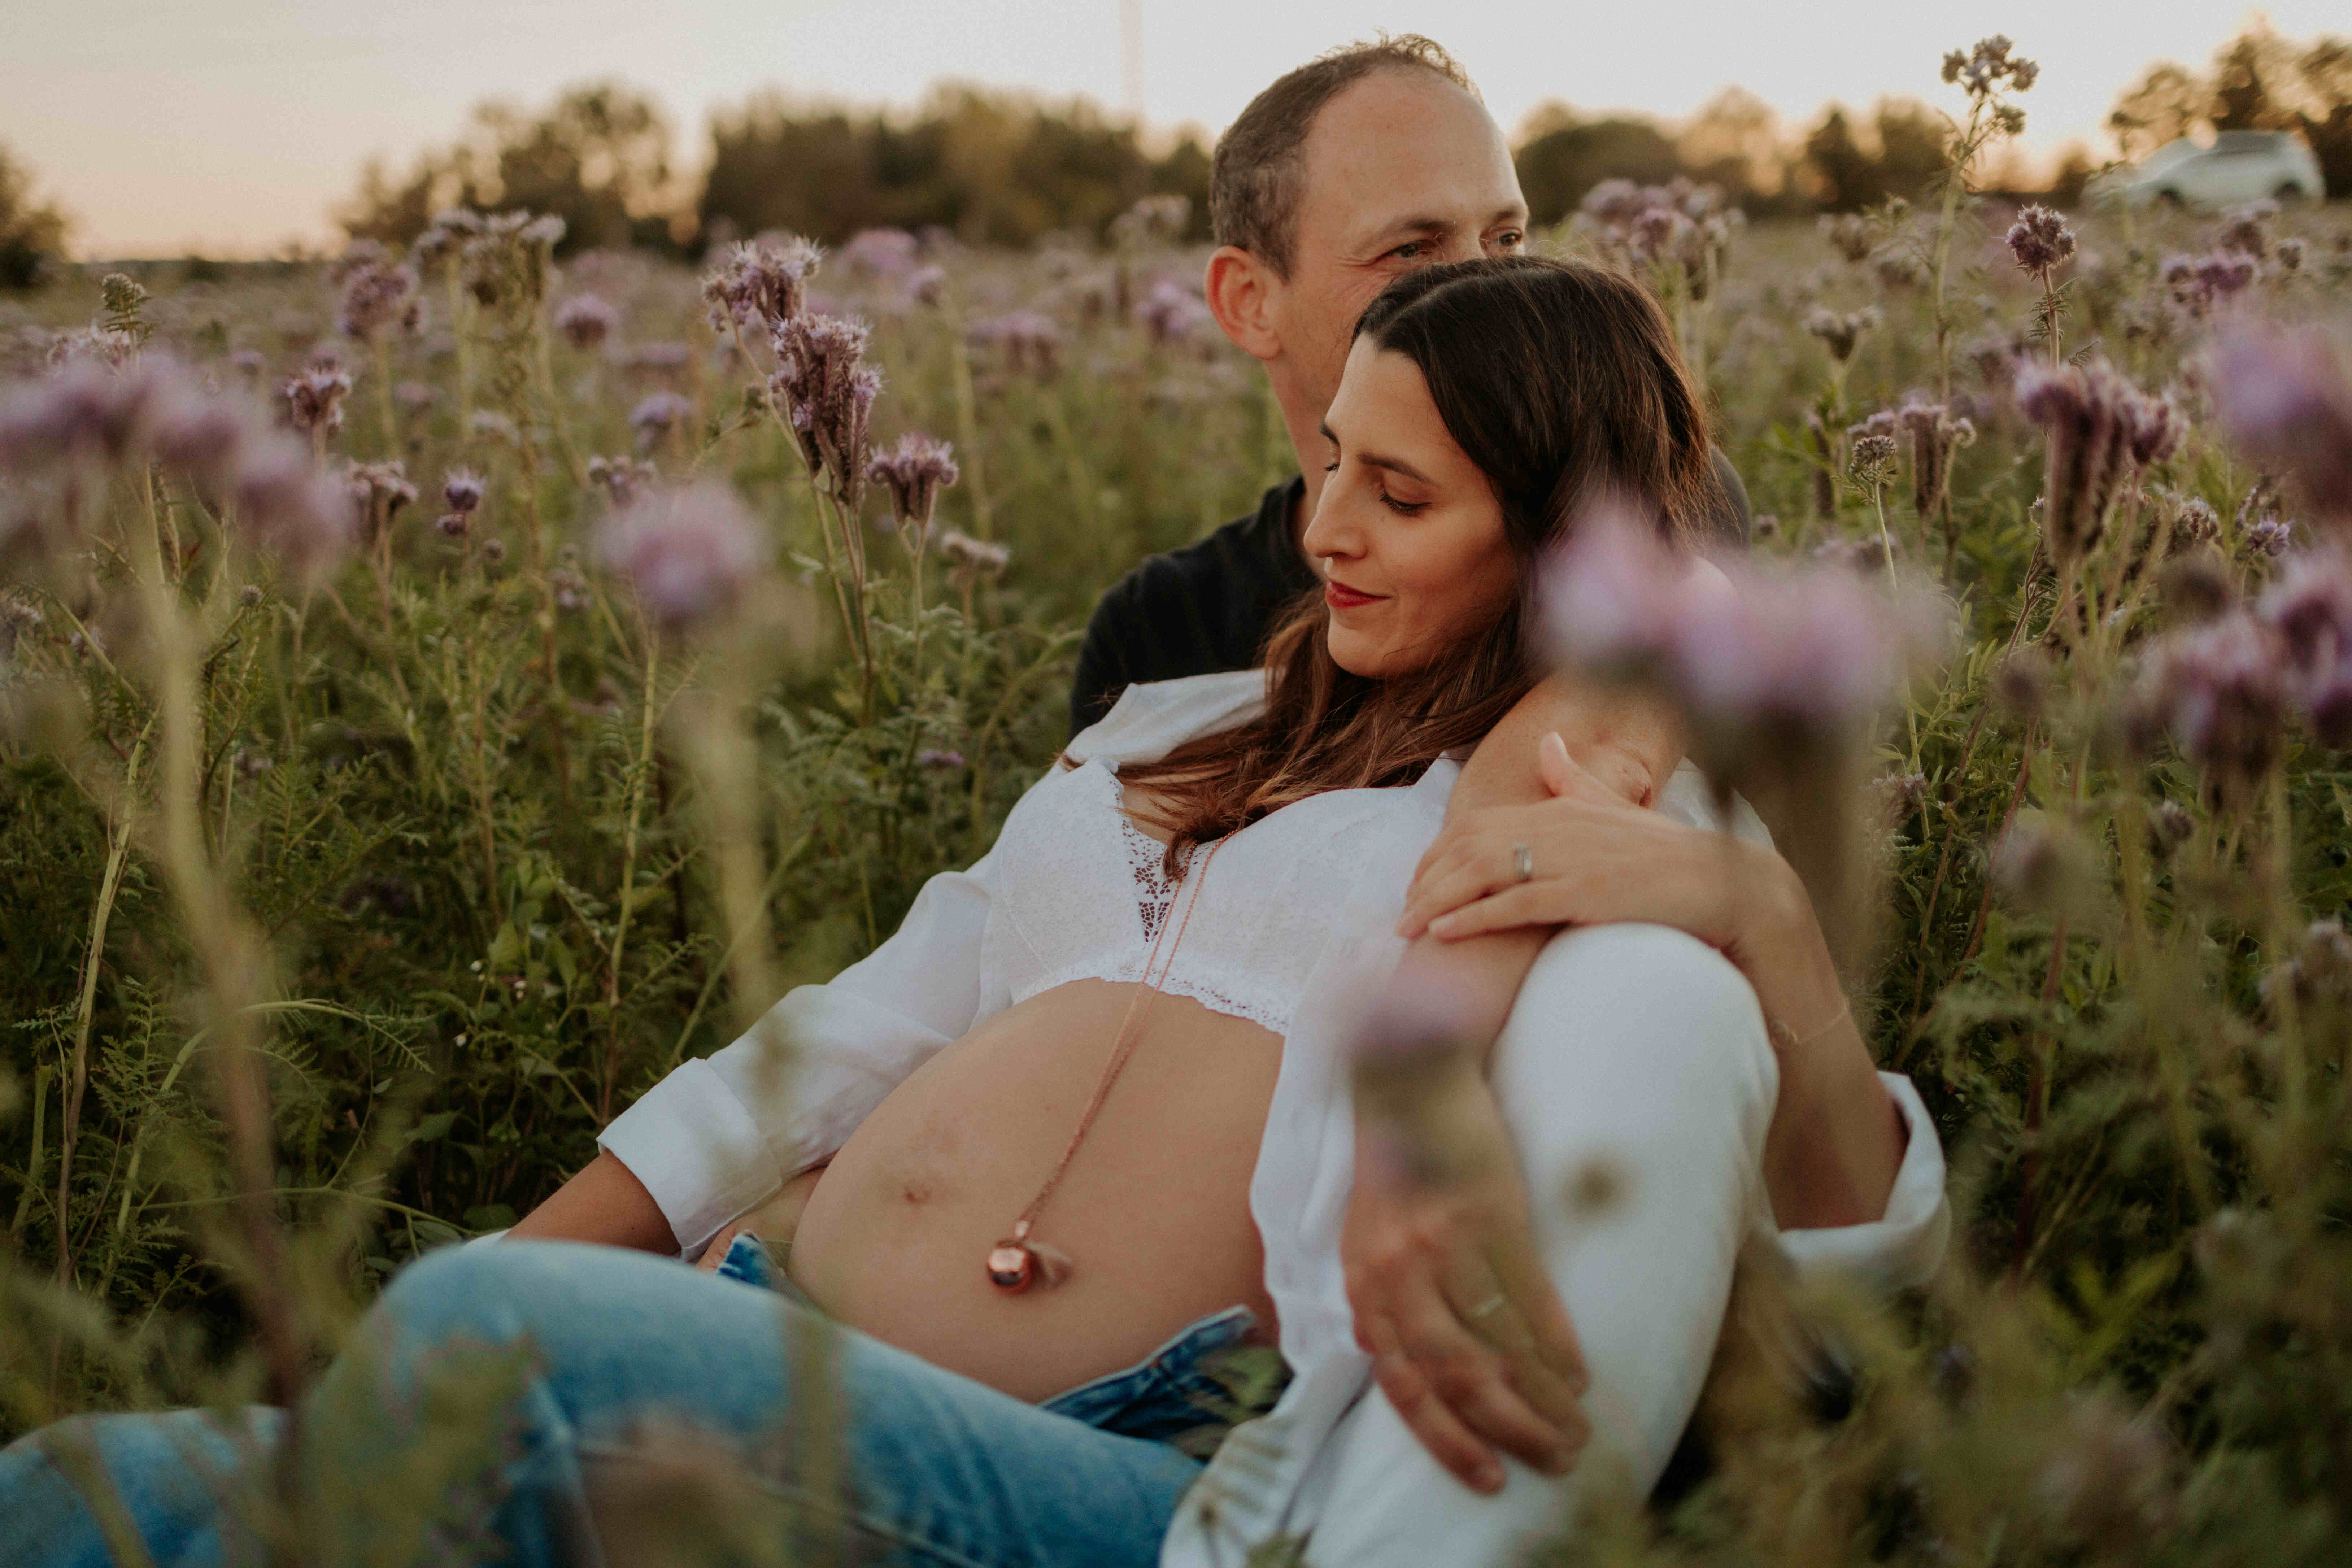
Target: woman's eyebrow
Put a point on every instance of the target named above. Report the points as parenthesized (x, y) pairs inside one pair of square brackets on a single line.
[(1372, 460)]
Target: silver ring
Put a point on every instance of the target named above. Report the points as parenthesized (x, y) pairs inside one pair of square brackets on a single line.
[(1523, 861), (1486, 1309)]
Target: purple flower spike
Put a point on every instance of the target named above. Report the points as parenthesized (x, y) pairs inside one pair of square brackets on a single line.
[(914, 472), (585, 320), (688, 552), (657, 414), (761, 283), (2040, 240)]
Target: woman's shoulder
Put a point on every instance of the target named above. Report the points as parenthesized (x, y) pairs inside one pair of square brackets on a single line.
[(1152, 718)]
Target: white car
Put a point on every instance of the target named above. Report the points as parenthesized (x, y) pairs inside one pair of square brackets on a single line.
[(2239, 167)]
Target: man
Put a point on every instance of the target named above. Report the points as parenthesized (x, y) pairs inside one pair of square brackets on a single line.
[(1346, 174)]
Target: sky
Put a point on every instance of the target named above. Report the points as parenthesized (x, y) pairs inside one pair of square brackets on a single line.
[(230, 127)]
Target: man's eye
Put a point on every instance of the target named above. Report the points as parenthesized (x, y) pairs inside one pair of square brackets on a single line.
[(1510, 239), (1409, 251)]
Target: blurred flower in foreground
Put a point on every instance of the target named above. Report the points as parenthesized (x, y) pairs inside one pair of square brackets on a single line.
[(586, 320), (2101, 428), (2285, 401), (2219, 689), (1779, 665), (688, 552), (158, 410), (622, 478)]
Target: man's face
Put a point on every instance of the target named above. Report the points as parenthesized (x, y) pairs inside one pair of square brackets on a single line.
[(1402, 170)]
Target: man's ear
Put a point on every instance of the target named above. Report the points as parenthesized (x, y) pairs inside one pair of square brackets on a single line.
[(1242, 291)]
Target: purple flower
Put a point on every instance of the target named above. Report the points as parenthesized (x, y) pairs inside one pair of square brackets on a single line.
[(314, 400), (2197, 283), (2285, 401), (1030, 341), (376, 295), (585, 320), (657, 414), (760, 283), (623, 478), (288, 502), (973, 560), (2097, 424), (2220, 690), (940, 761), (887, 253), (827, 395), (914, 472), (1840, 331), (688, 552), (2040, 240), (462, 489), (1171, 312), (656, 356)]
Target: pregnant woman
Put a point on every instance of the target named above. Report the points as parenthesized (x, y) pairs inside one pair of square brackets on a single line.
[(1084, 1129)]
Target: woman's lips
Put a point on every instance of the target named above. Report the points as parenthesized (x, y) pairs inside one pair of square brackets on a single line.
[(1339, 596)]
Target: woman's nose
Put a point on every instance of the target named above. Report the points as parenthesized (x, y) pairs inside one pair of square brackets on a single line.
[(1327, 532)]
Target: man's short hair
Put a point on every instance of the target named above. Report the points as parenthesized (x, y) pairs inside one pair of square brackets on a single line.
[(1255, 181)]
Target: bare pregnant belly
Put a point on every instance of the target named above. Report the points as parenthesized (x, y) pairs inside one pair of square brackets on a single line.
[(1154, 1209)]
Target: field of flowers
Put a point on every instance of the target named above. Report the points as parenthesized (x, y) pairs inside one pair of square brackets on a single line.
[(440, 691)]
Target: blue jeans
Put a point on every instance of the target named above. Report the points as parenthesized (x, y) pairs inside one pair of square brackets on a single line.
[(539, 1402)]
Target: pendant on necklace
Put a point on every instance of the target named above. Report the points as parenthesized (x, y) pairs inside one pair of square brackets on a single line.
[(1011, 1266)]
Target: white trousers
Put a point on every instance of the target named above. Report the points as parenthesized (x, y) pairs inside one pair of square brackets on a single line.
[(1638, 1051)]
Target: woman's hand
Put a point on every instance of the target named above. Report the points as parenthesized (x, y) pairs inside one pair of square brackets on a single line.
[(1594, 858), (1468, 1339), (776, 1219)]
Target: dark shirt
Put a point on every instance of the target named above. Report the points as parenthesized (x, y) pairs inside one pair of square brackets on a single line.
[(1210, 605)]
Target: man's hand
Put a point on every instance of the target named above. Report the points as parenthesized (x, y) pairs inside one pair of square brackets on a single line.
[(1469, 1341)]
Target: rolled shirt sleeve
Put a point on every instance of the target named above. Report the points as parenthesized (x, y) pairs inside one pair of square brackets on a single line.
[(1903, 1245), (719, 1135)]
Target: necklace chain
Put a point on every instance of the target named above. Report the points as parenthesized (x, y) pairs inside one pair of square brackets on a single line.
[(1130, 1031)]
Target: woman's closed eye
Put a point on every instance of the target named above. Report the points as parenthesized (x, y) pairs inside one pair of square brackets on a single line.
[(1402, 508)]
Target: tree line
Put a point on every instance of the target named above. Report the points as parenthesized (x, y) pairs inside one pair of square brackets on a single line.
[(1004, 168)]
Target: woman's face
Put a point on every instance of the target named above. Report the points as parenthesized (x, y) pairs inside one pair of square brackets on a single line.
[(1408, 537)]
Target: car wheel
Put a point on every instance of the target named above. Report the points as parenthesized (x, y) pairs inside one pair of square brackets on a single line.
[(2168, 197), (2289, 191)]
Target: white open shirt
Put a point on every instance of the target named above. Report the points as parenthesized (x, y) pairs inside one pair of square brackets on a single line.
[(719, 1135)]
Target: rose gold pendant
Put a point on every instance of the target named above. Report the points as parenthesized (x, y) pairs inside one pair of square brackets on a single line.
[(1011, 1265)]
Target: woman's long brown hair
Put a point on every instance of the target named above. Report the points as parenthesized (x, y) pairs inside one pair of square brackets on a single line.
[(1560, 381)]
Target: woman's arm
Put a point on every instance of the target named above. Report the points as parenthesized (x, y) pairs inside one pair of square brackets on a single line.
[(719, 1135), (1837, 1137)]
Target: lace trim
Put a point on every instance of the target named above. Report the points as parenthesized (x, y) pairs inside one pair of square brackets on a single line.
[(1147, 859), (1235, 997)]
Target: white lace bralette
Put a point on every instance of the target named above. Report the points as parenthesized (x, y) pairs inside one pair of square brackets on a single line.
[(1081, 891)]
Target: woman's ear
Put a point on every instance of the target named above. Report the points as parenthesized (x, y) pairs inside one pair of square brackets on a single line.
[(1242, 291)]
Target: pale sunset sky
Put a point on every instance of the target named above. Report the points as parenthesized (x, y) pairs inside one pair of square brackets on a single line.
[(229, 127)]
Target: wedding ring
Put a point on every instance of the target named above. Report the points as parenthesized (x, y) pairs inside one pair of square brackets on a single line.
[(1523, 861), (1486, 1309)]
